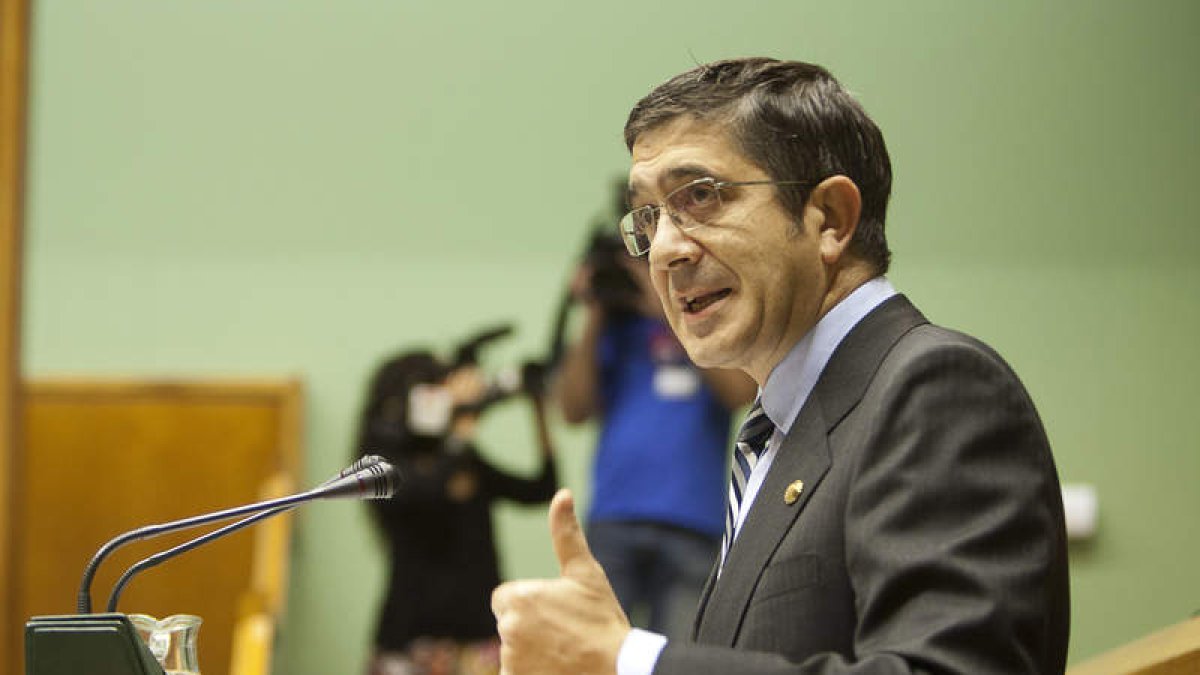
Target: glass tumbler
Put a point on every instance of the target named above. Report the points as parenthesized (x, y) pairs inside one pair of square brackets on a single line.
[(171, 640)]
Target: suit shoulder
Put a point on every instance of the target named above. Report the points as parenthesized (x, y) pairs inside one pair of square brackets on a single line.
[(928, 344), (960, 366)]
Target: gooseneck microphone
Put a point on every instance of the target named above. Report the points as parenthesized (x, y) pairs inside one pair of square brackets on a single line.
[(369, 478)]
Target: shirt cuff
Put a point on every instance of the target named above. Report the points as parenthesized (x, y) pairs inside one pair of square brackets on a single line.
[(639, 652)]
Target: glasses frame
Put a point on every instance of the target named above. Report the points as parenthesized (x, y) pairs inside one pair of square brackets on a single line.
[(629, 229)]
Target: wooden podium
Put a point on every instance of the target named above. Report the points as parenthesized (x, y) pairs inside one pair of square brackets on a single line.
[(1174, 650)]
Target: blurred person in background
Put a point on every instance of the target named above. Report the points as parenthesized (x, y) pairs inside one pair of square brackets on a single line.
[(422, 415)]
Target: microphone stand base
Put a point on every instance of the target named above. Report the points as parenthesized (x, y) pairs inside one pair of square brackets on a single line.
[(98, 644)]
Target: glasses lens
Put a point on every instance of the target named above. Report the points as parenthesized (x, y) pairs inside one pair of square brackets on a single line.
[(695, 203), (634, 232), (689, 206)]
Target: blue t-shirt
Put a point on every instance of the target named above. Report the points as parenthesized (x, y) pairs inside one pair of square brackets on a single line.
[(663, 440)]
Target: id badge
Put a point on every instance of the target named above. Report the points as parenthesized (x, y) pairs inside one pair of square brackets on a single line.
[(676, 382)]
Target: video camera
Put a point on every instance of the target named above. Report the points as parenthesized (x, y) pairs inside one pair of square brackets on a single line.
[(611, 283), (529, 378)]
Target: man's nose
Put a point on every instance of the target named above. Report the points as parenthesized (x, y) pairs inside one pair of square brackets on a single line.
[(671, 246)]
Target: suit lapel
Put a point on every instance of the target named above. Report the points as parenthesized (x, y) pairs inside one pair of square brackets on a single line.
[(704, 596), (804, 455)]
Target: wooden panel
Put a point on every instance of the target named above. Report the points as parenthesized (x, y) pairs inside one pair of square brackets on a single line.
[(104, 458), (272, 555), (1174, 650), (252, 640), (14, 40)]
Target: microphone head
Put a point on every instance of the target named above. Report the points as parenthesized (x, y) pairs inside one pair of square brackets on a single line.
[(358, 465), (377, 481), (365, 461), (385, 479), (362, 463)]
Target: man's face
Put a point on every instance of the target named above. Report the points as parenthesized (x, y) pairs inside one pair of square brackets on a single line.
[(742, 289)]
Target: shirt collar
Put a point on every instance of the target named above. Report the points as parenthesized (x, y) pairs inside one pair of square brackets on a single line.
[(793, 378)]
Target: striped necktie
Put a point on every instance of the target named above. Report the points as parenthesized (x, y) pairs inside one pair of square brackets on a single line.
[(751, 442)]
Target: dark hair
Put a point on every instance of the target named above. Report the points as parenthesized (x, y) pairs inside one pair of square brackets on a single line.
[(795, 121), (383, 422)]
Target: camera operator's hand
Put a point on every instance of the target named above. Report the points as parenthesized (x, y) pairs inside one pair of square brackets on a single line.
[(647, 302), (581, 285), (466, 386), (644, 302)]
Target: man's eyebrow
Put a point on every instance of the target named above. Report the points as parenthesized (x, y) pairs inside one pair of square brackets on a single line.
[(690, 171), (673, 175)]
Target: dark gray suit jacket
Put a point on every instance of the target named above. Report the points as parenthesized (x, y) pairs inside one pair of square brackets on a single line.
[(928, 536)]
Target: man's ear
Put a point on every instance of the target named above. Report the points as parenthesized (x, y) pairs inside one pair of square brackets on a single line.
[(840, 203)]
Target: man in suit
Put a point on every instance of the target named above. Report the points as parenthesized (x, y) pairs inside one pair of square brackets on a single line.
[(904, 514)]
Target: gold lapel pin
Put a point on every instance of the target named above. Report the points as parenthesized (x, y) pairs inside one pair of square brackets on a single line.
[(792, 493)]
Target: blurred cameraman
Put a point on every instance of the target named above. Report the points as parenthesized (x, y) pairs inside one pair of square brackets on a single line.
[(422, 416), (659, 473)]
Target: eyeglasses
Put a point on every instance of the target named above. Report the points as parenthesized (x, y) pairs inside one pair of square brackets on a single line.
[(690, 206)]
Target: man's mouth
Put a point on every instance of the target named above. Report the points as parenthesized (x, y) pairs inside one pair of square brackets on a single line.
[(697, 304)]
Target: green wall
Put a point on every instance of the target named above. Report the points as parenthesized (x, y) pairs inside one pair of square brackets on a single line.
[(299, 187)]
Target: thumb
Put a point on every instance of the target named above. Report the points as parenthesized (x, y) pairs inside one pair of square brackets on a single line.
[(570, 547)]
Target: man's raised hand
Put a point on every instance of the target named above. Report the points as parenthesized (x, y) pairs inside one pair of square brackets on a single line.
[(565, 626)]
